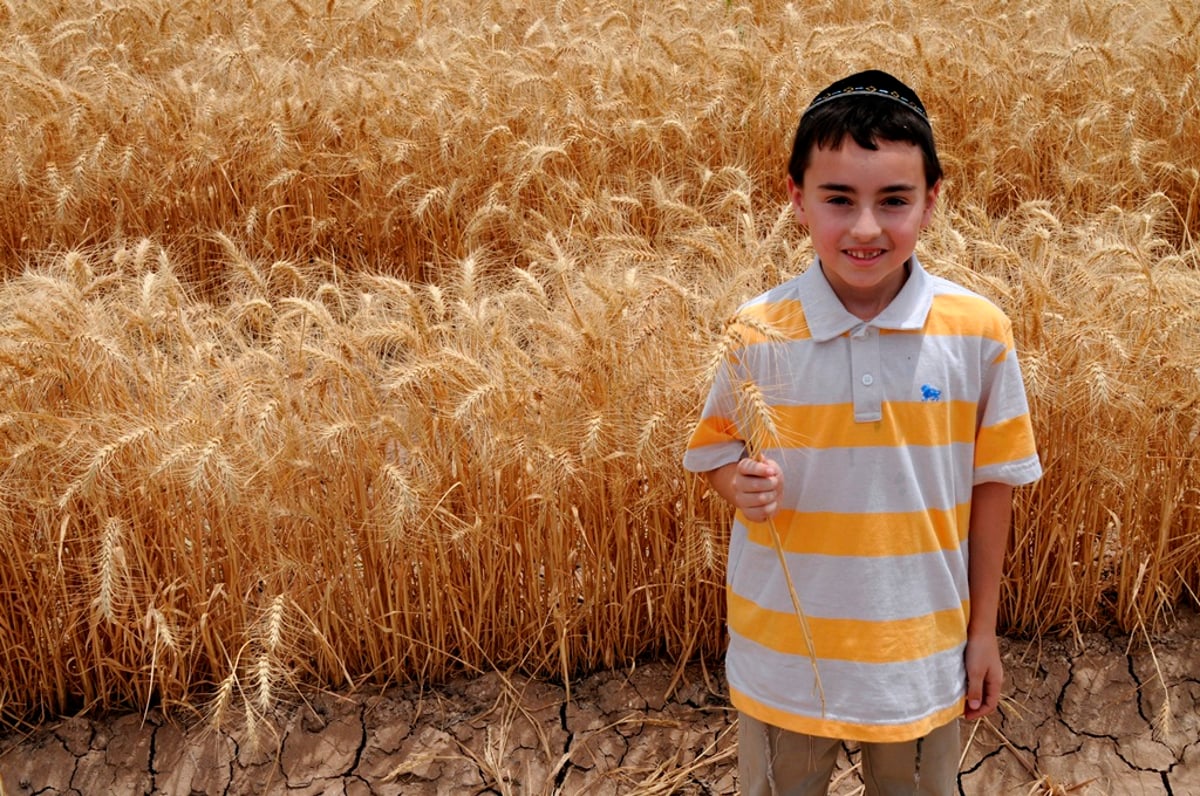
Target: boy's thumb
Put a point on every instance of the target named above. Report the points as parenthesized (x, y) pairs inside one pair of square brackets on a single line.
[(974, 693)]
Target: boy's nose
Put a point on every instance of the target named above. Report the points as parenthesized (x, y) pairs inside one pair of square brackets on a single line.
[(865, 226)]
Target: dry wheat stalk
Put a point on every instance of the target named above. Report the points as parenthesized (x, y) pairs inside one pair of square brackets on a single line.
[(756, 420)]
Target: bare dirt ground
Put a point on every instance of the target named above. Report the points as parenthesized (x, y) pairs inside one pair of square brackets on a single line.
[(1095, 715)]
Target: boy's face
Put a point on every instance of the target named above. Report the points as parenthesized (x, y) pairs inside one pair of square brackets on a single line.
[(864, 209)]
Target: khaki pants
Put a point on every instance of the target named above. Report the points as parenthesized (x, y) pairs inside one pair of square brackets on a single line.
[(776, 762)]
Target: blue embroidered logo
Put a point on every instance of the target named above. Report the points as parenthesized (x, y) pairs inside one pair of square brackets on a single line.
[(930, 393)]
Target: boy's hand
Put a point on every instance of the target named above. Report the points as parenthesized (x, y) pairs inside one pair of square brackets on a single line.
[(756, 488), (985, 675), (751, 485)]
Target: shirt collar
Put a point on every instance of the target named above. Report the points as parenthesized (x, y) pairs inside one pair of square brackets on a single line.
[(827, 318)]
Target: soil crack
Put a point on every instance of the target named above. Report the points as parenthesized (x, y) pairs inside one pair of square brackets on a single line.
[(1066, 722), (362, 742), (560, 776), (151, 762)]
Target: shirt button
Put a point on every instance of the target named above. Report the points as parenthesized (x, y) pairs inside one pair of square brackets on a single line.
[(868, 379)]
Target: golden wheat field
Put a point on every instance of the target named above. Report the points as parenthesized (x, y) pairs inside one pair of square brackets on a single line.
[(358, 340)]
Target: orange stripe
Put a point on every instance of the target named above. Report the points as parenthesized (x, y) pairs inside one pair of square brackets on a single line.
[(903, 423), (712, 431), (1007, 441), (879, 534), (828, 728), (783, 317), (850, 639), (966, 315), (832, 426)]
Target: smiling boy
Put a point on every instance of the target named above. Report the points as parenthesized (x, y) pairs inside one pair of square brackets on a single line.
[(900, 429)]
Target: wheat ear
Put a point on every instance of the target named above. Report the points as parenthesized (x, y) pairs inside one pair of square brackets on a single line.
[(756, 414)]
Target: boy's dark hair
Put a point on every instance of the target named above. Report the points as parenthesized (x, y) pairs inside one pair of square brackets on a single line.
[(869, 106)]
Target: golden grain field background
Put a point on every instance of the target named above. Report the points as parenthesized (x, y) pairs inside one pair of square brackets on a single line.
[(358, 340)]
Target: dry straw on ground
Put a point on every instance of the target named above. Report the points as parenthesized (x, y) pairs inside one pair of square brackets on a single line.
[(351, 341)]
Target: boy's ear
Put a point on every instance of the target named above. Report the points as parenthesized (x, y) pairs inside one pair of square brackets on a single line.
[(930, 200), (797, 198)]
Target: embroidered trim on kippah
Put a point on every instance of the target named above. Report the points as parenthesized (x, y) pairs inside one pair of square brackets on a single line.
[(871, 91)]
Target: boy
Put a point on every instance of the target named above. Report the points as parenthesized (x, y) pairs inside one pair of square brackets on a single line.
[(869, 427)]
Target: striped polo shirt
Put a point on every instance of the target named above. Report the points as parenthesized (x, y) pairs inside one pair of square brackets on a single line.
[(882, 429)]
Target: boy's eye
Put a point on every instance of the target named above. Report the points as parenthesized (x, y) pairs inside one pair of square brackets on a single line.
[(838, 200), (895, 201)]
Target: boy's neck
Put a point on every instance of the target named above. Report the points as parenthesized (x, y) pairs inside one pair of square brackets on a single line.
[(867, 305)]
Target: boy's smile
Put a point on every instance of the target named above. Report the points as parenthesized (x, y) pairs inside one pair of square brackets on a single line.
[(864, 209)]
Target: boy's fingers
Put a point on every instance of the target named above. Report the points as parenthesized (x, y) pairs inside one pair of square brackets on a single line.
[(992, 695), (974, 695), (754, 467), (766, 469), (983, 694), (758, 486), (977, 682)]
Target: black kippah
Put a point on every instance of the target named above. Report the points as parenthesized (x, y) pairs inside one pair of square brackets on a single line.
[(873, 82)]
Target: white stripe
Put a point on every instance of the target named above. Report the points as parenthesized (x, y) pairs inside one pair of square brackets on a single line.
[(878, 479), (873, 589), (812, 373), (710, 457), (1015, 473), (866, 693)]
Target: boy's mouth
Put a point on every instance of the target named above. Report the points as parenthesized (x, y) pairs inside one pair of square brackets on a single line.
[(864, 254)]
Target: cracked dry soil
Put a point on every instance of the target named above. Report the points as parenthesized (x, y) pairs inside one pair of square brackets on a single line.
[(1102, 714)]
